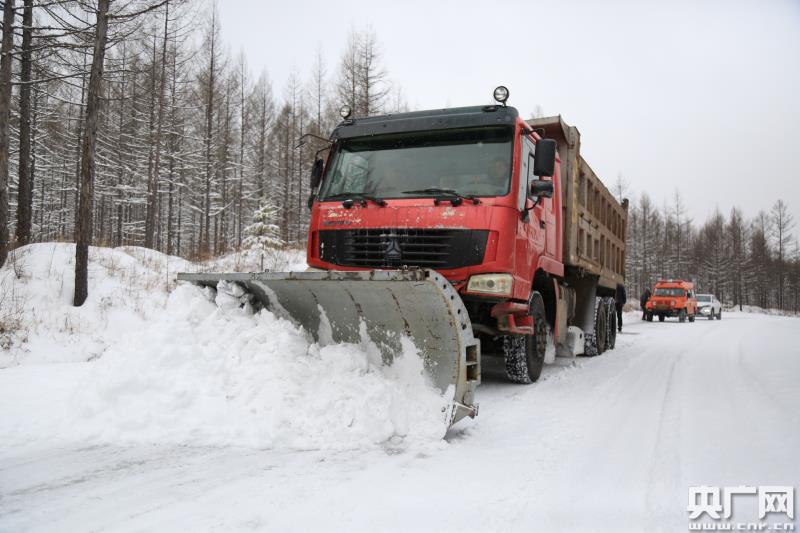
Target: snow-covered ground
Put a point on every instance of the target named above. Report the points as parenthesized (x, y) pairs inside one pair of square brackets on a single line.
[(154, 410)]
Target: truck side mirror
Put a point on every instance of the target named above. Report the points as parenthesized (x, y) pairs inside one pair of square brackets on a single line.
[(316, 173), (542, 189), (545, 160)]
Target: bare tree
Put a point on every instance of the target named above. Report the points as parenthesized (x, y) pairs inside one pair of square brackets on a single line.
[(621, 187), (736, 239), (153, 181), (211, 94), (349, 73), (84, 223), (317, 89), (243, 127), (373, 86), (263, 109), (681, 227), (782, 224), (25, 186), (5, 108)]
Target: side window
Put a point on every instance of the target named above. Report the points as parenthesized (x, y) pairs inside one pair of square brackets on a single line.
[(525, 172), (531, 155), (530, 168)]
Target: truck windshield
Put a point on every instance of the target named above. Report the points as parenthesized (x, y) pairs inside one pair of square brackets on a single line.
[(470, 162), (668, 291)]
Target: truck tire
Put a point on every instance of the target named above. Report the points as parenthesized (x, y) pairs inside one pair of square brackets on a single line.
[(711, 316), (524, 354), (649, 317), (611, 338), (595, 341), (661, 318), (682, 315)]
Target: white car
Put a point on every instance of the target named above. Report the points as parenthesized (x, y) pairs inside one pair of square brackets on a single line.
[(708, 306)]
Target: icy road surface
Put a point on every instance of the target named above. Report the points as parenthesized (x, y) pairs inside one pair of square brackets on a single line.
[(608, 444)]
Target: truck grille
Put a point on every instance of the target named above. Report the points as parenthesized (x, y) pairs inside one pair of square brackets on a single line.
[(397, 247)]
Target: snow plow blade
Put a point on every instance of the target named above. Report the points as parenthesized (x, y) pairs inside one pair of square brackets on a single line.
[(420, 304)]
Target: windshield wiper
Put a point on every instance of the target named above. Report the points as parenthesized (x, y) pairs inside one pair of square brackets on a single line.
[(349, 197), (452, 195)]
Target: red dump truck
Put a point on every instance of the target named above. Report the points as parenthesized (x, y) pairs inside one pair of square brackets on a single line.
[(470, 230)]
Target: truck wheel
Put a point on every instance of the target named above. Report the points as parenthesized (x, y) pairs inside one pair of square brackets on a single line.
[(611, 339), (524, 354), (595, 342), (661, 318), (682, 315), (711, 316), (649, 317)]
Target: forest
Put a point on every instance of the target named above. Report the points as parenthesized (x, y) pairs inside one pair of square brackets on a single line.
[(130, 123), (189, 142), (744, 261)]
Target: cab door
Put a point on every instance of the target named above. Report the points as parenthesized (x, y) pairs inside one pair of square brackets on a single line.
[(530, 227)]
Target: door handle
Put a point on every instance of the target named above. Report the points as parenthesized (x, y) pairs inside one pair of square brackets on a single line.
[(542, 224)]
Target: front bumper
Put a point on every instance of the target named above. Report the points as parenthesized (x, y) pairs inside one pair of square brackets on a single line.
[(665, 311)]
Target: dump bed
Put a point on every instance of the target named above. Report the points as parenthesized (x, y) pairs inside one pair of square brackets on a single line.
[(594, 222)]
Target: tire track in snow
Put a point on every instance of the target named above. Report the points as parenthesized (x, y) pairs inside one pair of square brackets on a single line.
[(760, 388), (665, 457)]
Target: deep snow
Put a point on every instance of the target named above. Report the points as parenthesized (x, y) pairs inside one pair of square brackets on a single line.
[(191, 367), (146, 437)]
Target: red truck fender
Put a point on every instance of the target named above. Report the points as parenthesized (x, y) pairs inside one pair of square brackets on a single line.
[(551, 266)]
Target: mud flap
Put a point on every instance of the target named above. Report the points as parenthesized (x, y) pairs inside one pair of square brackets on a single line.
[(335, 305)]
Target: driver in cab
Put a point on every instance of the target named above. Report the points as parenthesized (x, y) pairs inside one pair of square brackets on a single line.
[(491, 183)]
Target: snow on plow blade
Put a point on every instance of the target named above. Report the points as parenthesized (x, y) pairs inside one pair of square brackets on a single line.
[(420, 304)]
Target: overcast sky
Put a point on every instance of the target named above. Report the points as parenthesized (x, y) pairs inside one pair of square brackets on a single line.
[(698, 95)]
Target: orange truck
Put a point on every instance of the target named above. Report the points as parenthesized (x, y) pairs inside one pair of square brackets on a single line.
[(672, 297)]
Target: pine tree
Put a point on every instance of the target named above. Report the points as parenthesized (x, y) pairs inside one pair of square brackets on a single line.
[(263, 233)]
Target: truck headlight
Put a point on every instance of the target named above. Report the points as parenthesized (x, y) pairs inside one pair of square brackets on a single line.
[(500, 284)]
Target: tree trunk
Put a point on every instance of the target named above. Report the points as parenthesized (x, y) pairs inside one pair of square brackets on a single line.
[(84, 222), (240, 184), (152, 186), (24, 195), (205, 221), (78, 149), (5, 105), (173, 146)]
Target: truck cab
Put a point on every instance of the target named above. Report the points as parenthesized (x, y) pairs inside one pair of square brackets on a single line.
[(456, 190), (448, 190), (476, 194), (672, 298)]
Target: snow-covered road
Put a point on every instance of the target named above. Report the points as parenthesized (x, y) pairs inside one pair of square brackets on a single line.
[(610, 443)]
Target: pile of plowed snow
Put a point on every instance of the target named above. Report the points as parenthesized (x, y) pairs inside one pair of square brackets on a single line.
[(159, 363)]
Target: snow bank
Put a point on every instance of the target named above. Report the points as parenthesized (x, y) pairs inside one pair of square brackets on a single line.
[(38, 323), (758, 310), (169, 365), (253, 260)]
